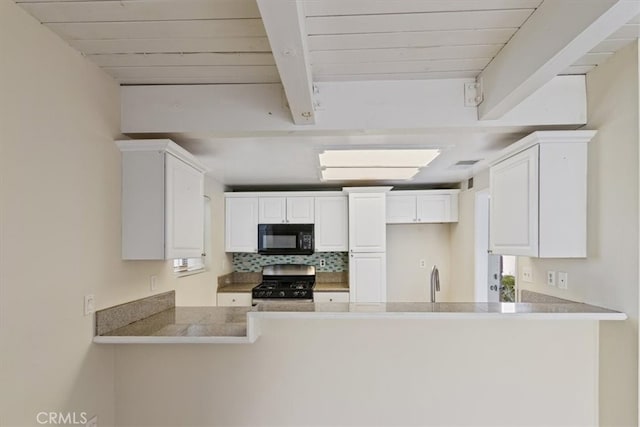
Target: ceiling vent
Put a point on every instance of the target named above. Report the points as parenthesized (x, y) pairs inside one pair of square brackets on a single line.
[(466, 163)]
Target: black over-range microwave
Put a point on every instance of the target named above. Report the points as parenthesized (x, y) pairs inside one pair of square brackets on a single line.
[(285, 239)]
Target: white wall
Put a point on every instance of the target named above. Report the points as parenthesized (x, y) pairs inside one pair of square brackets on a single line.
[(463, 242), (609, 276), (60, 213), (369, 372), (407, 244)]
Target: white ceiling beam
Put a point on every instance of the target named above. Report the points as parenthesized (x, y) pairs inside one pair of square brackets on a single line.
[(284, 21), (556, 35), (362, 106)]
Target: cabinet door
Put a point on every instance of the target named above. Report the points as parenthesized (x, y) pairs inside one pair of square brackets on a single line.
[(300, 210), (367, 222), (241, 224), (368, 277), (235, 299), (434, 208), (401, 209), (184, 224), (331, 229), (513, 211), (273, 210), (331, 297)]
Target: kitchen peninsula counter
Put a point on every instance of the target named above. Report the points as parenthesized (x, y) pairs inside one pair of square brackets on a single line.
[(241, 325)]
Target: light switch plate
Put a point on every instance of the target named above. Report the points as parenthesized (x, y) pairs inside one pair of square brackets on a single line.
[(89, 304), (527, 274)]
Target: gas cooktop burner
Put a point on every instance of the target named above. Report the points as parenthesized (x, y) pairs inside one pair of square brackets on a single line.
[(280, 282)]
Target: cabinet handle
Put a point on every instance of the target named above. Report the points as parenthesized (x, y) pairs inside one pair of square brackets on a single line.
[(419, 219)]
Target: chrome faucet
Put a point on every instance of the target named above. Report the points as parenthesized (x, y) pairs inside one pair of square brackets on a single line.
[(435, 283)]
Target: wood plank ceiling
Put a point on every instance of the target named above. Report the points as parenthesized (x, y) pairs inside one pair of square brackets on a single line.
[(224, 41)]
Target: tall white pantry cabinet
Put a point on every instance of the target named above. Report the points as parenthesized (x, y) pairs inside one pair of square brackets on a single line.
[(367, 244), (162, 201)]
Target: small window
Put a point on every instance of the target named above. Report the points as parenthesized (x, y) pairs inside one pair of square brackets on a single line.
[(186, 266), (182, 265)]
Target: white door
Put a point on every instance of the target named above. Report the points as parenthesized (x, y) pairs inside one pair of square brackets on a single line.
[(434, 208), (273, 210), (241, 224), (367, 222), (300, 210), (184, 226), (401, 209), (331, 229), (513, 212), (368, 277)]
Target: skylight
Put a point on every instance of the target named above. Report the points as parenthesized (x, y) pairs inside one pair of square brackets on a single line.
[(345, 174), (377, 158), (374, 164)]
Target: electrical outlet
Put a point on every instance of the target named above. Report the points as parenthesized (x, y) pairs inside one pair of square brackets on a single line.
[(527, 274), (551, 278), (93, 422), (89, 304), (563, 280), (153, 282), (423, 263), (323, 262)]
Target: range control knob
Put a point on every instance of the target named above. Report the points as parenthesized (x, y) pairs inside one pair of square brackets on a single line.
[(281, 293), (303, 293), (261, 294)]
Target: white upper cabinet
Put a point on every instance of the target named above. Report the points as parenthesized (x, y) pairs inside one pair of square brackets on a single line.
[(401, 209), (162, 201), (300, 210), (367, 232), (331, 226), (429, 206), (280, 210), (538, 204), (184, 222), (241, 224), (273, 210)]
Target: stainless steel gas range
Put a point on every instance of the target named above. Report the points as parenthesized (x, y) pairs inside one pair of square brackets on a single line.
[(285, 282)]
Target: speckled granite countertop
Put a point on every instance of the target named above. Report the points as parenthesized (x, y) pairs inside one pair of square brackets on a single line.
[(319, 287), (244, 282), (241, 324), (186, 325)]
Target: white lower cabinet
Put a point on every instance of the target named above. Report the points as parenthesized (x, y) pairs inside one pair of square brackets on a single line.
[(331, 297), (234, 299), (368, 277)]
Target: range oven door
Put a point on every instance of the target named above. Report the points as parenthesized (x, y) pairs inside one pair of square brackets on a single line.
[(285, 239)]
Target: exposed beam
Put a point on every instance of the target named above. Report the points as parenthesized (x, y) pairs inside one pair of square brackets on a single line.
[(556, 35), (389, 106), (284, 21)]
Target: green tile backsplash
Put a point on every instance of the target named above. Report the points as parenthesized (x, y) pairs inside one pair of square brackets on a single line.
[(249, 262)]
